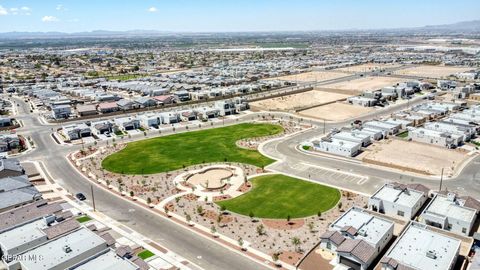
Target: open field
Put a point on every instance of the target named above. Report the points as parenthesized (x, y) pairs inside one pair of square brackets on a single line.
[(312, 76), (435, 72), (173, 152), (414, 157), (279, 196), (367, 67), (336, 111), (297, 101), (364, 84)]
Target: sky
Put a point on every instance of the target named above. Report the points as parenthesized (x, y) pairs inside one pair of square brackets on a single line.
[(229, 15)]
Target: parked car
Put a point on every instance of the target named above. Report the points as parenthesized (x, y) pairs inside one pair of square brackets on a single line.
[(80, 197)]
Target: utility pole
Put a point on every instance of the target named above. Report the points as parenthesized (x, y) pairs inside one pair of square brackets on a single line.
[(441, 180), (323, 126), (93, 198)]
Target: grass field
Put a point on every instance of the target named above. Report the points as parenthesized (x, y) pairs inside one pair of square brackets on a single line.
[(172, 152), (145, 254), (278, 196), (83, 219)]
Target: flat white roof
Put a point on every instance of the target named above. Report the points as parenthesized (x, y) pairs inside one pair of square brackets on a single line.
[(23, 234), (412, 247), (374, 227), (108, 261), (52, 254), (398, 196), (443, 206)]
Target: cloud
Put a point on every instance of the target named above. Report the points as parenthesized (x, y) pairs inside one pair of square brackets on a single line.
[(25, 8), (152, 9), (49, 19), (61, 8), (3, 11)]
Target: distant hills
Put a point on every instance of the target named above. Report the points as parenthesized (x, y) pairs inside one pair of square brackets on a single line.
[(466, 26), (459, 26)]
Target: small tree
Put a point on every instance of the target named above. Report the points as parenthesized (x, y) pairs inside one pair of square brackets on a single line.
[(319, 214), (296, 242), (340, 205), (288, 219), (188, 218), (200, 210), (223, 208), (275, 257), (311, 226), (260, 229), (149, 200), (251, 215), (240, 243), (165, 208), (131, 193), (213, 230), (219, 219)]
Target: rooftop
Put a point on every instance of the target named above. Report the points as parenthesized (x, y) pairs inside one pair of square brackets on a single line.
[(420, 248), (71, 246), (399, 195), (108, 261), (451, 206), (368, 227)]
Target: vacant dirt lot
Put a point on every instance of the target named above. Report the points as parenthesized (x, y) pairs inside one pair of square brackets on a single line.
[(313, 76), (413, 157), (297, 101), (436, 72), (364, 84), (366, 67), (336, 111)]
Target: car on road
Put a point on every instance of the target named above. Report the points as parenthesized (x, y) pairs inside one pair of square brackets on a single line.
[(80, 197)]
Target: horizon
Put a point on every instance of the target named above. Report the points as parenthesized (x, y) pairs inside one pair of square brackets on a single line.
[(188, 16)]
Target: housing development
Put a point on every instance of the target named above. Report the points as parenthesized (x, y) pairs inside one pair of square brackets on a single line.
[(311, 150)]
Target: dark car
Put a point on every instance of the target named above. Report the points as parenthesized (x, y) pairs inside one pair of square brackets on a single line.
[(80, 196)]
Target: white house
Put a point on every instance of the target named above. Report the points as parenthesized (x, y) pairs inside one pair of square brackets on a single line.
[(76, 131), (357, 238), (61, 111), (399, 200), (438, 138), (451, 213), (336, 146), (420, 248)]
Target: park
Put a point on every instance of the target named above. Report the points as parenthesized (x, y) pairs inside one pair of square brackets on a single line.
[(173, 152)]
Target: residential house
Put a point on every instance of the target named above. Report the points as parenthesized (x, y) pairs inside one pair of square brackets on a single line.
[(61, 111), (451, 213), (357, 238), (420, 248), (399, 200)]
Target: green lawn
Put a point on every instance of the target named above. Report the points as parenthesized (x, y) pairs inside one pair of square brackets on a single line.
[(278, 196), (83, 219), (145, 254), (172, 152)]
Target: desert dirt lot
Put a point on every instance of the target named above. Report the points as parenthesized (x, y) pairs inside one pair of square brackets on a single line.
[(336, 111), (297, 101), (436, 72), (366, 67), (312, 76), (414, 157), (364, 84)]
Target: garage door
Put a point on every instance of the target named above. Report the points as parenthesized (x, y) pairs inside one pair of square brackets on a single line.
[(352, 264)]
